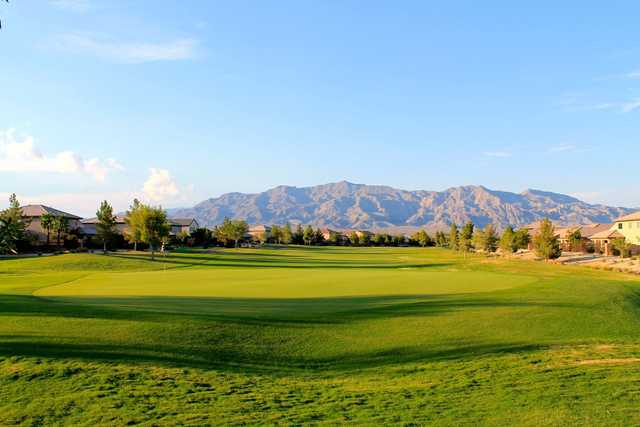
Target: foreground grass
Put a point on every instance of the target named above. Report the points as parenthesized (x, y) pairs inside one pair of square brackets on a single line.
[(301, 335)]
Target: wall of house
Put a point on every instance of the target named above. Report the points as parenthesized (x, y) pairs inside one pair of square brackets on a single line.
[(35, 229), (630, 230)]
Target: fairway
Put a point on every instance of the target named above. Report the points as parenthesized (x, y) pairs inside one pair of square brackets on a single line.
[(315, 335)]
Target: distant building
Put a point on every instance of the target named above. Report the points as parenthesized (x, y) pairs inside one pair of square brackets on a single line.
[(89, 225), (183, 226), (327, 233), (178, 225), (34, 213), (259, 232)]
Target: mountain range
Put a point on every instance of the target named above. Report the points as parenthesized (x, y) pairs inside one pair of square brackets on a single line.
[(344, 205)]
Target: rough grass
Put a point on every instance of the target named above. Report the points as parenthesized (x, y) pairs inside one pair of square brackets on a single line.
[(315, 335)]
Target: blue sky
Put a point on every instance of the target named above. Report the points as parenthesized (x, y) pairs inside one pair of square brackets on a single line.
[(175, 102)]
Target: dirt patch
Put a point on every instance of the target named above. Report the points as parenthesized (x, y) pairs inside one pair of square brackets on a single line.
[(596, 362)]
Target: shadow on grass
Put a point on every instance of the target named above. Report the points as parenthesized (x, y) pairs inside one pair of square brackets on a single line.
[(236, 360), (269, 261), (290, 312), (240, 335)]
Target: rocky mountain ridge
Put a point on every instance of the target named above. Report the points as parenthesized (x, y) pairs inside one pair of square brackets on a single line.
[(344, 205)]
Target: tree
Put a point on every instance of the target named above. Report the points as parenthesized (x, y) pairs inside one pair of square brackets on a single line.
[(454, 237), (441, 239), (334, 238), (61, 226), (522, 239), (286, 234), (487, 239), (319, 237), (155, 227), (12, 226), (622, 246), (364, 239), (135, 222), (276, 233), (239, 230), (105, 228), (46, 222), (422, 238), (202, 237), (354, 239), (545, 242), (298, 237), (388, 240), (508, 242), (232, 231), (575, 240), (466, 237), (308, 235)]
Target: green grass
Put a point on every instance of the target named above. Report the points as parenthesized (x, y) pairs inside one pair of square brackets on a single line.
[(315, 335)]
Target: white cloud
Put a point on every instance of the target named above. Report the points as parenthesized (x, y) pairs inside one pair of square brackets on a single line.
[(629, 106), (160, 186), (499, 154), (79, 6), (620, 106), (127, 52), (634, 75), (24, 156), (562, 148)]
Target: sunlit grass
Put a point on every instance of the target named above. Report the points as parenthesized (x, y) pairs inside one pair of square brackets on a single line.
[(302, 335)]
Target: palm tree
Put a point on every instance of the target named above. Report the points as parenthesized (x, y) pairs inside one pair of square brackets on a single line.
[(61, 226), (47, 222)]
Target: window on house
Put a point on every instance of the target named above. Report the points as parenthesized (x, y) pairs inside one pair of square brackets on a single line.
[(620, 226)]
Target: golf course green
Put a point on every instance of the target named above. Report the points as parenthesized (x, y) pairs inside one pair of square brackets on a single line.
[(315, 335)]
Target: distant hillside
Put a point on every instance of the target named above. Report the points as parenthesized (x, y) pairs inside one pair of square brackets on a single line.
[(344, 205)]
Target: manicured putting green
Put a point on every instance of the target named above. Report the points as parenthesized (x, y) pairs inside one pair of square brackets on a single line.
[(270, 283)]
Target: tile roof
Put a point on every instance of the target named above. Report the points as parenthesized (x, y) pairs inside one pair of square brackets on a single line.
[(182, 221), (590, 230), (631, 217), (39, 210), (607, 234), (120, 219)]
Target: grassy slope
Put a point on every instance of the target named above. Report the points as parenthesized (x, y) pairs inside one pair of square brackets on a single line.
[(321, 334)]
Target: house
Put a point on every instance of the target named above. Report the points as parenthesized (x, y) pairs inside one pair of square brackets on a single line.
[(34, 213), (89, 225), (586, 233), (602, 241), (259, 232), (327, 233), (629, 227), (183, 226), (178, 225)]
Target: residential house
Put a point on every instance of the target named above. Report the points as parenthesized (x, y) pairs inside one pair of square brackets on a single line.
[(327, 233), (629, 227), (260, 232), (183, 226), (586, 233), (89, 225), (178, 225), (603, 241), (34, 213)]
